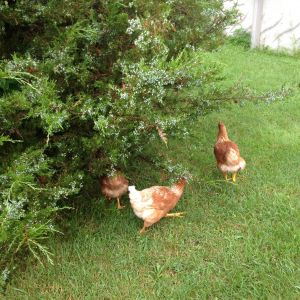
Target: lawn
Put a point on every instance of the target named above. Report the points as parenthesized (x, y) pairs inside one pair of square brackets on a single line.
[(237, 241)]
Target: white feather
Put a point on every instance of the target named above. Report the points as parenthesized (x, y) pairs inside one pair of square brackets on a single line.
[(232, 169), (142, 206)]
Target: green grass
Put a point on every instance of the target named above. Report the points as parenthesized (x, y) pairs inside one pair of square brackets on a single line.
[(259, 70), (237, 241)]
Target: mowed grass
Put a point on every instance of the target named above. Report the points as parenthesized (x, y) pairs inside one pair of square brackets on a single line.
[(262, 71), (237, 241)]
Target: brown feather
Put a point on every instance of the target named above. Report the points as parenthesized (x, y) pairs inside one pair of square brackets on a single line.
[(227, 153), (222, 150), (113, 186), (164, 199), (162, 135)]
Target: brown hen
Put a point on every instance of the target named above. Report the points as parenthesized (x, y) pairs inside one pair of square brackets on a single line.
[(114, 187), (227, 154), (154, 203)]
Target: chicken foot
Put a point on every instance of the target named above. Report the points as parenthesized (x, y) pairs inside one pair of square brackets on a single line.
[(119, 206), (146, 225), (234, 177), (225, 176), (178, 214), (143, 230)]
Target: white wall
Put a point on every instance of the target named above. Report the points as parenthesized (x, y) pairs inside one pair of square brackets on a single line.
[(246, 9), (280, 24)]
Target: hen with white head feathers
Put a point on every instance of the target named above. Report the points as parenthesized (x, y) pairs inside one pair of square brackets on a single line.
[(154, 203)]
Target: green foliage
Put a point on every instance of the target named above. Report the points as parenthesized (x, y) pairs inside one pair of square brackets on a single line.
[(236, 241), (241, 37), (87, 87)]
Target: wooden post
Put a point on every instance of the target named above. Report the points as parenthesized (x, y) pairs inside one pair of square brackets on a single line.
[(256, 22)]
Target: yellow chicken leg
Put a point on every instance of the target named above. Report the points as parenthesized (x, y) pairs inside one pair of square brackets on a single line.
[(225, 175), (146, 225), (178, 214), (119, 204), (143, 230), (234, 177)]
